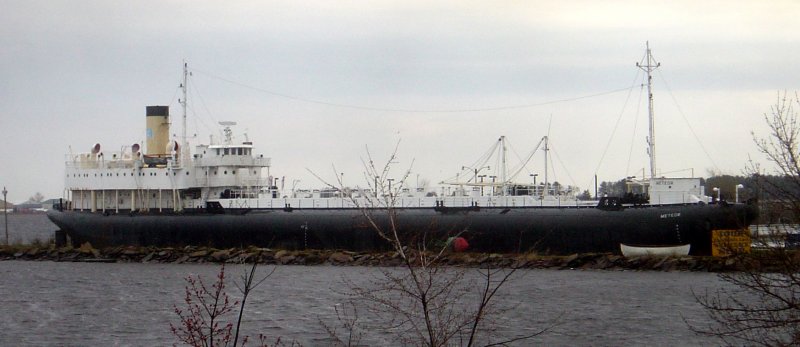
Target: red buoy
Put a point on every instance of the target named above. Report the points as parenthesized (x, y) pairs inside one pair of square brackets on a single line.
[(460, 244)]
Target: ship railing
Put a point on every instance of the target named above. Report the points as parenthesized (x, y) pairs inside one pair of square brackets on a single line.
[(232, 160), (248, 200), (221, 180), (92, 161)]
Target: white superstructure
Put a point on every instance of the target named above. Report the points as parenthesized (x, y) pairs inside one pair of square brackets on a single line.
[(130, 180)]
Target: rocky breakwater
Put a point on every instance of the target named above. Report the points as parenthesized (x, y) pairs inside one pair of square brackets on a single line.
[(193, 254)]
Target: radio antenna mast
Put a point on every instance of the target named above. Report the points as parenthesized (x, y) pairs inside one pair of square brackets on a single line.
[(649, 65)]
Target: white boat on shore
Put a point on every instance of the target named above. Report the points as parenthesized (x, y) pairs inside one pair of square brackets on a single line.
[(654, 251)]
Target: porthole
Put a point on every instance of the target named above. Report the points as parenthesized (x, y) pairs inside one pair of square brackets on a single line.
[(233, 172), (187, 173), (226, 172)]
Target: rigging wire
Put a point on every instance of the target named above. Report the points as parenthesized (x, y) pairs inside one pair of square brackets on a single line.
[(616, 125), (686, 120), (522, 163), (480, 162), (564, 167), (382, 109), (174, 97), (635, 126), (205, 106)]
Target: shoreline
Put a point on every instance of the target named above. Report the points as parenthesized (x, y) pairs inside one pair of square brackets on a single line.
[(267, 256)]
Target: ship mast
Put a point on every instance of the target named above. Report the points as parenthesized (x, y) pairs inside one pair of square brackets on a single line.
[(184, 143), (649, 66), (503, 168), (546, 148)]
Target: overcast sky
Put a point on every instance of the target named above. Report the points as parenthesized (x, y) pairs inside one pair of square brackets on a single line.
[(75, 73)]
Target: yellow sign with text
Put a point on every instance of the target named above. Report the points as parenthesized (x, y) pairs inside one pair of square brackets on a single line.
[(730, 241)]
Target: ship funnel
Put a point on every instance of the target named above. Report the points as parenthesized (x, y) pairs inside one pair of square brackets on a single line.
[(135, 148), (157, 129), (96, 148)]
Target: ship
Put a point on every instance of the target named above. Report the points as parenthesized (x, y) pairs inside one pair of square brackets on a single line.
[(223, 195)]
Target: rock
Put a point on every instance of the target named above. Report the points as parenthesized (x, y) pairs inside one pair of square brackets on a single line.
[(200, 253), (339, 258), (520, 263), (658, 264), (614, 259), (221, 255), (392, 262), (131, 251), (669, 265), (280, 254), (85, 248), (182, 259), (569, 261), (96, 254), (601, 263), (242, 258), (482, 259), (730, 262), (314, 259), (286, 259), (148, 257)]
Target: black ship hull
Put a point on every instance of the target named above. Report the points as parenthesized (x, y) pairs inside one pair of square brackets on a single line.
[(553, 230)]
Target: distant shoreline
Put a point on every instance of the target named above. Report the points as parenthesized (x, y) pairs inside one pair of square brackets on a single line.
[(198, 255)]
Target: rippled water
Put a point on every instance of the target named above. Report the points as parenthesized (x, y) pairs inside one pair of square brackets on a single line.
[(49, 303)]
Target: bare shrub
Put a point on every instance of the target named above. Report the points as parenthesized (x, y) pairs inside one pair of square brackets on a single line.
[(761, 305), (423, 301)]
